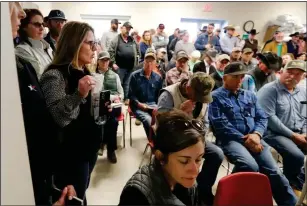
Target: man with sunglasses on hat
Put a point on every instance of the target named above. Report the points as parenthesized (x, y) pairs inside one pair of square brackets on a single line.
[(160, 39), (108, 36), (192, 96), (56, 21), (238, 123), (222, 61), (282, 102), (269, 64)]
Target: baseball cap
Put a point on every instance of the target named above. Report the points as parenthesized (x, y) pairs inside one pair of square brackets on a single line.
[(212, 54), (296, 64), (128, 24), (196, 54), (236, 49), (161, 26), (202, 85), (235, 68), (150, 53), (271, 60), (115, 21), (56, 14), (247, 50), (103, 55), (182, 55), (223, 57)]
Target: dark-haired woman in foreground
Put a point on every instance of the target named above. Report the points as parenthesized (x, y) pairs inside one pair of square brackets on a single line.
[(171, 179)]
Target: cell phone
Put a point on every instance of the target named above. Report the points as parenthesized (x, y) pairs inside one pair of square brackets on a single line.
[(104, 102), (57, 194)]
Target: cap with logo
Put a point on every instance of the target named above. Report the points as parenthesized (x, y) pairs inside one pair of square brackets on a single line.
[(115, 21), (271, 60), (182, 55), (150, 53), (161, 26), (128, 24), (235, 68), (104, 55), (57, 14), (223, 57), (247, 50), (202, 85), (296, 64), (211, 53)]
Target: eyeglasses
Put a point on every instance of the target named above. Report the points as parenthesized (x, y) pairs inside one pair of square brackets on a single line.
[(91, 43), (195, 124), (37, 24)]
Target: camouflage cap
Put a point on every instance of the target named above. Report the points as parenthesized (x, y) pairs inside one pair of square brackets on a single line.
[(202, 85), (247, 50), (296, 64), (150, 53)]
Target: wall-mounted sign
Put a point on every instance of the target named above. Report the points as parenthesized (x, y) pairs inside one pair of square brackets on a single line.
[(207, 8)]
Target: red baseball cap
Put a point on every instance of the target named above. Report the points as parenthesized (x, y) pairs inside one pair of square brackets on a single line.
[(161, 26)]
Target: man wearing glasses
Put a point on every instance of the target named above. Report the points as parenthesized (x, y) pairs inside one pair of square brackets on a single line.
[(56, 20)]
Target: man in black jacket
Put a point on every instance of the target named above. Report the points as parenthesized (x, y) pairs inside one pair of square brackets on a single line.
[(170, 39), (56, 21), (208, 64)]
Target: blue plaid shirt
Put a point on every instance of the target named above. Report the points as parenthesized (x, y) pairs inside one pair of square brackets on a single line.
[(234, 116), (143, 90)]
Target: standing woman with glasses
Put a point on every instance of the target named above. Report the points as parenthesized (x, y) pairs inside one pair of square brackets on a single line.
[(32, 47), (67, 86), (171, 179)]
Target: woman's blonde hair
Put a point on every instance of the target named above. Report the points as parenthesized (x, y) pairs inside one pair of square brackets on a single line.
[(143, 38), (70, 42)]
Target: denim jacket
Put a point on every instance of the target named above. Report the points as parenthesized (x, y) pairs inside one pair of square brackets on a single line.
[(202, 40)]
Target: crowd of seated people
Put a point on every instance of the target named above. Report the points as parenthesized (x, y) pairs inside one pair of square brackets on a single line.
[(249, 100)]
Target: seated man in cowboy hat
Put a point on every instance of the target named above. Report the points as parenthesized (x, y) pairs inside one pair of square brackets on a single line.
[(229, 41), (251, 42), (264, 73), (293, 44), (282, 101)]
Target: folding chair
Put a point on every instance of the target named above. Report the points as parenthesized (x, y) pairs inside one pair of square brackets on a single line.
[(244, 188), (131, 115)]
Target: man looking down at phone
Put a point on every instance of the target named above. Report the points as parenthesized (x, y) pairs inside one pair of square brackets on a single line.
[(238, 123), (281, 101), (111, 81), (192, 96), (144, 89)]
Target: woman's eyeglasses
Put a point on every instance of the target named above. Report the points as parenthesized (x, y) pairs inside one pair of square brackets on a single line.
[(92, 44), (195, 124), (37, 24)]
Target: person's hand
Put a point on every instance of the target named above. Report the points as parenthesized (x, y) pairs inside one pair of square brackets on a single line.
[(299, 139), (116, 99), (142, 106), (208, 46), (254, 138), (187, 106), (115, 67), (252, 143), (85, 85), (108, 105), (69, 192)]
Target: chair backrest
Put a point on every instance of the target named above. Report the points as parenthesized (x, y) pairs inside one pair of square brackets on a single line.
[(244, 188)]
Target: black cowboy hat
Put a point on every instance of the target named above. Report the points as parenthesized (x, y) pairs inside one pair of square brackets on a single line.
[(253, 32), (271, 60), (295, 34)]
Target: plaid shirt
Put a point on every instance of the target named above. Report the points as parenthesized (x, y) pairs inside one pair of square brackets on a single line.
[(234, 116), (174, 75)]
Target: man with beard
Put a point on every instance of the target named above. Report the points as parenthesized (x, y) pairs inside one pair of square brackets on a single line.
[(56, 21), (208, 40), (108, 36), (282, 101), (277, 45)]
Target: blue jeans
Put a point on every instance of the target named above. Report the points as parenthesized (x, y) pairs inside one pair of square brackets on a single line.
[(213, 159), (144, 117), (124, 75), (293, 159), (263, 162)]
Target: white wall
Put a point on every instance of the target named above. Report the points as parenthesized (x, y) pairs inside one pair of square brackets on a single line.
[(16, 184), (146, 15)]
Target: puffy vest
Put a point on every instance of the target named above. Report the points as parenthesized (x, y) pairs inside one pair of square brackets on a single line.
[(109, 82)]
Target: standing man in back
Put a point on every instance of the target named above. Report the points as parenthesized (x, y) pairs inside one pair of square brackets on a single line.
[(160, 39), (55, 22), (124, 54), (107, 37)]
